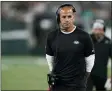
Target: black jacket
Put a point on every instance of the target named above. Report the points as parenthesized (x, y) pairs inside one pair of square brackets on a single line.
[(103, 50)]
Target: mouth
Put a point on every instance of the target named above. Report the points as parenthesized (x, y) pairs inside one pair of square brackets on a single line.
[(66, 24)]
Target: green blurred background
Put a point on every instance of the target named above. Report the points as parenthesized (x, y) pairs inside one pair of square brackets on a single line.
[(24, 27), (25, 73)]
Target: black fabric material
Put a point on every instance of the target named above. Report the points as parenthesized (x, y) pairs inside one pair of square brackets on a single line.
[(70, 51), (103, 50), (62, 88), (96, 81)]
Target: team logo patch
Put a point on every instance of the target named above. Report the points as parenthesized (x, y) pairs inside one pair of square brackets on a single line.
[(76, 42), (106, 42)]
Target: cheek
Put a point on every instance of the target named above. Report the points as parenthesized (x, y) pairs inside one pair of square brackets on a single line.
[(98, 32), (62, 20), (72, 20), (102, 32), (95, 31)]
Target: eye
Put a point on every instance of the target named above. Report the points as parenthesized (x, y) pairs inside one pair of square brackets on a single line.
[(69, 16), (63, 16)]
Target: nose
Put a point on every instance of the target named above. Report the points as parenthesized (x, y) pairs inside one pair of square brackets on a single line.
[(67, 19)]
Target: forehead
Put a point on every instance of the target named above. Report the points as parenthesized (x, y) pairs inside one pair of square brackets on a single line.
[(66, 10)]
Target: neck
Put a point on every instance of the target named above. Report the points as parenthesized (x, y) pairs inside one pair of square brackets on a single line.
[(68, 29)]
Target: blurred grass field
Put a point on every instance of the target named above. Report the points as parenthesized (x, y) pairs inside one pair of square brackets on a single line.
[(25, 73)]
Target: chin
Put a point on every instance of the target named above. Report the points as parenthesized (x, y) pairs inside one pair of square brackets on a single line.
[(66, 26)]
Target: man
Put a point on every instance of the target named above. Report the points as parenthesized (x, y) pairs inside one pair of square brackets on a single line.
[(69, 53), (103, 51)]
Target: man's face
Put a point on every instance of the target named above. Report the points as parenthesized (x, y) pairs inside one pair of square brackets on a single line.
[(66, 17), (98, 31)]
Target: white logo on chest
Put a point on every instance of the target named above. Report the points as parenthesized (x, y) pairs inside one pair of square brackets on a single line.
[(106, 42), (76, 42)]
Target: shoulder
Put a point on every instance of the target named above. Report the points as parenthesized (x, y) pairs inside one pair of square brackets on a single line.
[(81, 31), (83, 34), (52, 34), (92, 36), (106, 38)]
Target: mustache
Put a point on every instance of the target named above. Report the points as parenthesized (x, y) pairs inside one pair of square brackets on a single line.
[(98, 35)]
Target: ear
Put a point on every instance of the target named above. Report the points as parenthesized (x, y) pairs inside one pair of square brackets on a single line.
[(74, 14), (74, 17)]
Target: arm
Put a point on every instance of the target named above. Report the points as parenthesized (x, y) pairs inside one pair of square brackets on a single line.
[(50, 61), (89, 55), (89, 64), (49, 52)]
